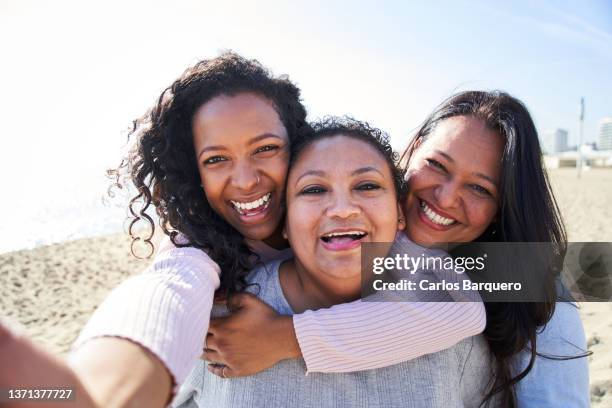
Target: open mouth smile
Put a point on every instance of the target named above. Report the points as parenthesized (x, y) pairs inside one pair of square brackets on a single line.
[(432, 216), (252, 208), (342, 240)]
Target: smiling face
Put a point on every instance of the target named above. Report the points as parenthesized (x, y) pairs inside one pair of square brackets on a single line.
[(453, 181), (340, 193), (242, 152)]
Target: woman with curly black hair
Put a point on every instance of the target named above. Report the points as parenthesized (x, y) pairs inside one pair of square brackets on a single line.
[(212, 157)]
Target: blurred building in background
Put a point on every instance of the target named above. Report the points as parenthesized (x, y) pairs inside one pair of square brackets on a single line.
[(604, 136), (554, 141)]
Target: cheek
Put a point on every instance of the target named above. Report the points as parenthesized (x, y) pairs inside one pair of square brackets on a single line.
[(302, 222), (384, 215), (423, 178), (212, 184), (481, 213), (277, 170), (418, 182)]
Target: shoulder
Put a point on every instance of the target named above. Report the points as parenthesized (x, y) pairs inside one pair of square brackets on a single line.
[(191, 263), (474, 355), (264, 282), (265, 275), (564, 332), (560, 371)]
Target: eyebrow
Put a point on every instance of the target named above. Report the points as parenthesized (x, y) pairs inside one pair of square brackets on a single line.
[(249, 143), (445, 155), (321, 173), (485, 177), (480, 175)]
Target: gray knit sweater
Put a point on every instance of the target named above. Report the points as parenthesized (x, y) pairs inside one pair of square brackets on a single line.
[(455, 377)]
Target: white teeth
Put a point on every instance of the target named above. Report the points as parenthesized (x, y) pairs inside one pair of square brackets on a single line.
[(341, 234), (435, 217), (251, 205)]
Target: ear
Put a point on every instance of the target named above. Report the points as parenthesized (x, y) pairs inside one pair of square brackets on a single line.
[(401, 220)]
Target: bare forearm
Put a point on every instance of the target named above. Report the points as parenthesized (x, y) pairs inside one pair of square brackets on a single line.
[(118, 373), (27, 366)]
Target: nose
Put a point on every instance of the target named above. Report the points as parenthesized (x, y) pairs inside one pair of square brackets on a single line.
[(342, 207), (447, 195), (245, 176)]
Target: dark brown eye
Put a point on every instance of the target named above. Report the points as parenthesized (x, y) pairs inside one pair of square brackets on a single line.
[(436, 164), (266, 148), (313, 190), (480, 190), (368, 186), (214, 159)]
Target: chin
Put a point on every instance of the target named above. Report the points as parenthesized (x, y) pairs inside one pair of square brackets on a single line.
[(422, 238), (343, 270), (342, 274), (258, 233)]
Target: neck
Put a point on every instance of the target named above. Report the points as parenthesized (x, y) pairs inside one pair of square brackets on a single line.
[(307, 291), (276, 240)]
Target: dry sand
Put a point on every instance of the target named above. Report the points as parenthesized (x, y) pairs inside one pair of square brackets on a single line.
[(586, 205), (51, 291)]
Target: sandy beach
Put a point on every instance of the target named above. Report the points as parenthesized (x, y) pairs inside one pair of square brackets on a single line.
[(51, 291), (586, 205)]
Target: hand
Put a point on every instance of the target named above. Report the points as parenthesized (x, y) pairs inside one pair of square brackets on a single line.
[(253, 338)]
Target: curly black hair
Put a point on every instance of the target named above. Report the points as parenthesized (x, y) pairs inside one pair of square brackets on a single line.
[(347, 126), (162, 164)]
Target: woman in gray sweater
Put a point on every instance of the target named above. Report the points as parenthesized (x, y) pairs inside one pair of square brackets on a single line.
[(342, 191)]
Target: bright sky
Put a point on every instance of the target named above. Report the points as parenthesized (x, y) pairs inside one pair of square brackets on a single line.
[(74, 74)]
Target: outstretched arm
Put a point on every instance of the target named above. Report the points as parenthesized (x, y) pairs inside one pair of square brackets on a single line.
[(147, 335), (27, 366), (118, 373)]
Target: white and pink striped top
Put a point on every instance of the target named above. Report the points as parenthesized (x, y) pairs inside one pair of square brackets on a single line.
[(167, 308)]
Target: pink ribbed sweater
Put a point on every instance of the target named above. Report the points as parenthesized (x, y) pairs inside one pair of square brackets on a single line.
[(166, 310)]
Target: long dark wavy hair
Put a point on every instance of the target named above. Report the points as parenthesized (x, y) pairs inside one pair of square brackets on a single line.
[(162, 163), (527, 212)]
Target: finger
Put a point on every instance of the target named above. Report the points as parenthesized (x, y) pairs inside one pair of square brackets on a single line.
[(240, 300), (221, 371)]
